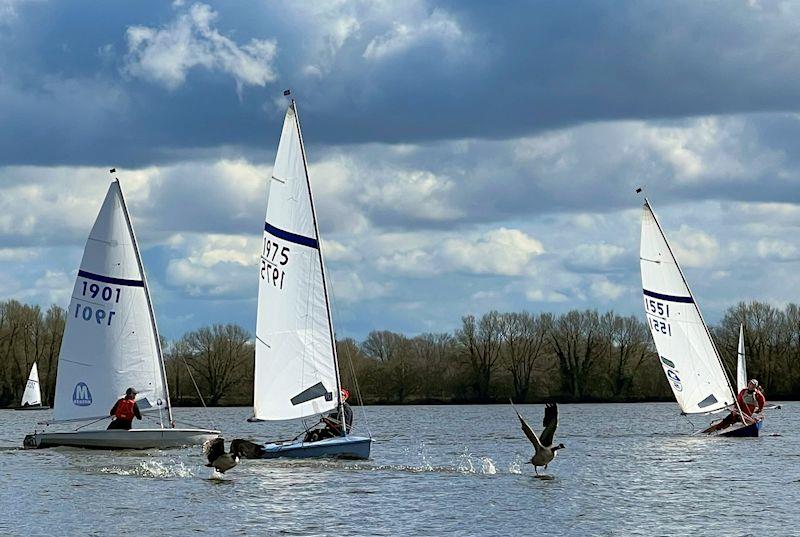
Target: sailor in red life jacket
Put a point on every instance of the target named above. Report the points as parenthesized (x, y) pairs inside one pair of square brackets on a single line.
[(751, 401), (124, 410)]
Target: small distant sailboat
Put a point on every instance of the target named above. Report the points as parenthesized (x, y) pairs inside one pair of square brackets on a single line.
[(690, 359), (741, 363), (32, 396), (296, 370), (110, 343)]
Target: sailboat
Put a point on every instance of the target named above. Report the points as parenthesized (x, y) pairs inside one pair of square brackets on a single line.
[(32, 396), (741, 363), (111, 343), (688, 355), (296, 365)]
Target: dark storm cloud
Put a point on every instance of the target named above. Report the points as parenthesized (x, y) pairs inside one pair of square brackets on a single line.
[(483, 70)]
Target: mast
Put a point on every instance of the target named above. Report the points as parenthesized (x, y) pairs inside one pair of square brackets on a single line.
[(694, 303), (322, 270), (149, 303)]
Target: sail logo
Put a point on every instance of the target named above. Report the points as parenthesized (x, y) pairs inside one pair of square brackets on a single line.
[(676, 380), (81, 396)]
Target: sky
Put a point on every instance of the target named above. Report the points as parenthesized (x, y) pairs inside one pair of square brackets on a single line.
[(464, 156)]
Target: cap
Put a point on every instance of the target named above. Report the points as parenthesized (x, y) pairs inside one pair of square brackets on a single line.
[(345, 393), (131, 391), (752, 382)]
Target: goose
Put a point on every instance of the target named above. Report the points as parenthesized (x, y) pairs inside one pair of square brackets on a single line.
[(545, 450), (221, 461)]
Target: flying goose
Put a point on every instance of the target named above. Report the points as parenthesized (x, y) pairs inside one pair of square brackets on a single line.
[(221, 461), (545, 450)]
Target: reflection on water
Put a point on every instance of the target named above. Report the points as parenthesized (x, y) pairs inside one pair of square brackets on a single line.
[(627, 470)]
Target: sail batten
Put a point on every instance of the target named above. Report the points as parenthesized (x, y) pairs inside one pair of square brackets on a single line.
[(294, 339), (687, 353), (110, 341)]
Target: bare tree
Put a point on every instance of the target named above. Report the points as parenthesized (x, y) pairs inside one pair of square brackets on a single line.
[(220, 356), (481, 343), (524, 337), (391, 349), (627, 343), (575, 337)]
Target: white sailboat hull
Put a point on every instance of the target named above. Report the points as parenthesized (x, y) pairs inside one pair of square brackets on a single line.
[(121, 439), (341, 447)]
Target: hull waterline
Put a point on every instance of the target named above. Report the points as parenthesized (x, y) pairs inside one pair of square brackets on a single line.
[(121, 439), (349, 447)]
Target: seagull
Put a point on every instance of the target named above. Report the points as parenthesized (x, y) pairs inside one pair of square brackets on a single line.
[(545, 450), (221, 461)]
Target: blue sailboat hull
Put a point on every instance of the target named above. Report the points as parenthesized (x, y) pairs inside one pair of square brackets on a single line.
[(743, 431), (342, 447)]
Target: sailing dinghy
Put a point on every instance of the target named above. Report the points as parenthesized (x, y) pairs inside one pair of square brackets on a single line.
[(32, 396), (110, 343), (688, 355), (741, 363), (296, 369)]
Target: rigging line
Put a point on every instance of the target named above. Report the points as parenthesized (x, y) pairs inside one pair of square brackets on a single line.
[(348, 354), (197, 389), (92, 423)]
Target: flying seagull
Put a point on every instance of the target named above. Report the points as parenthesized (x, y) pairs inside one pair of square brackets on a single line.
[(545, 450), (221, 461)]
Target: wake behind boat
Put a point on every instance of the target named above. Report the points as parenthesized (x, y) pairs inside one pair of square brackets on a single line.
[(297, 368), (688, 355), (110, 343)]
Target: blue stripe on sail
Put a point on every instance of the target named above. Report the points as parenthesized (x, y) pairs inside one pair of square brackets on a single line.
[(109, 279), (291, 237), (670, 298)]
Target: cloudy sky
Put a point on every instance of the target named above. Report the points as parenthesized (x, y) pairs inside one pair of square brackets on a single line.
[(465, 156)]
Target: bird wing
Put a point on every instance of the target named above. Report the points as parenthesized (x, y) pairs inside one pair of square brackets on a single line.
[(527, 429), (247, 449), (550, 423), (214, 448)]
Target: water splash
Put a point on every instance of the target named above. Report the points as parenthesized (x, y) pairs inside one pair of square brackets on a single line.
[(151, 469)]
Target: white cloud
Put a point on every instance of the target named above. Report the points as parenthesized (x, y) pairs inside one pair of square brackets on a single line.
[(595, 257), (348, 287), (438, 27), (777, 249), (539, 295), (502, 251), (414, 194), (167, 54), (694, 248), (604, 289), (214, 266)]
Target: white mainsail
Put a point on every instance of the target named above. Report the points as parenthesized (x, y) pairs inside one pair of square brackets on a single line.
[(687, 352), (296, 372), (33, 394), (741, 366), (110, 340)]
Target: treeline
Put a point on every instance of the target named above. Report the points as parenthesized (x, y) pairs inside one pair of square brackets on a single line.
[(575, 356)]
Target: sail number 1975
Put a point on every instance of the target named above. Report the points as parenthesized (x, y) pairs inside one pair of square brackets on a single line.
[(273, 258)]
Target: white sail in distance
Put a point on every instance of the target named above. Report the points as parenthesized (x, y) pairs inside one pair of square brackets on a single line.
[(33, 393), (110, 340), (687, 354), (296, 373), (741, 363)]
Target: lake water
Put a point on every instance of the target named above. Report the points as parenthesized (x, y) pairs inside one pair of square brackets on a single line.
[(629, 469)]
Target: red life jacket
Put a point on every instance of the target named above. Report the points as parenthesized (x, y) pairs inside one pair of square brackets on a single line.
[(125, 409)]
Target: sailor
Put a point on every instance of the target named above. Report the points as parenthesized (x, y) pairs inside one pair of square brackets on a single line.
[(751, 401), (333, 422), (124, 410)]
